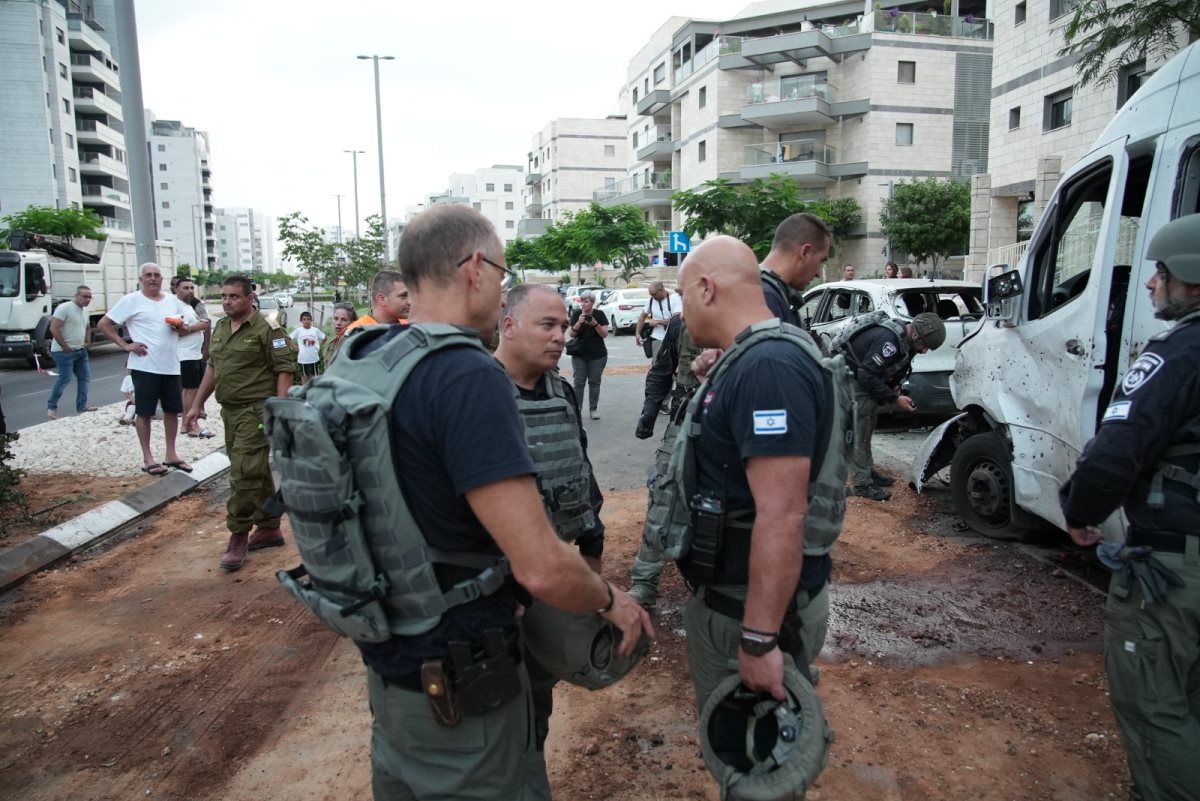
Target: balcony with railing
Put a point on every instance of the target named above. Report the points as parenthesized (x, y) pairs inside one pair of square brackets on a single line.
[(100, 164), (813, 40), (113, 224), (533, 209), (100, 195), (702, 57), (94, 131), (933, 24), (809, 162), (89, 99), (643, 190), (532, 226), (660, 146), (89, 66), (655, 101), (797, 100), (533, 178)]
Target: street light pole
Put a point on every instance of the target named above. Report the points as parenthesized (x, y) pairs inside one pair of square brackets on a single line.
[(339, 197), (379, 131), (354, 156)]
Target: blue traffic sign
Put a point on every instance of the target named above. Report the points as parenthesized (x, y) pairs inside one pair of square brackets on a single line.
[(680, 242)]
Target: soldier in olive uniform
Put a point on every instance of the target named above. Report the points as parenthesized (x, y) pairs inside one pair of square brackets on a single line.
[(250, 360)]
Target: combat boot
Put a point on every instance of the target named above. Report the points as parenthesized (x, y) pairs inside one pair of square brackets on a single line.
[(235, 552), (646, 595), (871, 491), (265, 538), (880, 480)]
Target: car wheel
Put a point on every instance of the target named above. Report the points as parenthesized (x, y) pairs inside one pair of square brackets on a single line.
[(981, 486)]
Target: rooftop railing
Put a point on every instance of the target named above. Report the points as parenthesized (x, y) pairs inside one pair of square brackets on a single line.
[(790, 152), (793, 88), (634, 183), (702, 57)]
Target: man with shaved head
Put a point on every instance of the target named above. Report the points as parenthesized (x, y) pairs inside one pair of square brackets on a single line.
[(758, 416)]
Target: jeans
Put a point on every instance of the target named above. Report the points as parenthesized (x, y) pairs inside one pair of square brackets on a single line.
[(588, 371), (67, 363)]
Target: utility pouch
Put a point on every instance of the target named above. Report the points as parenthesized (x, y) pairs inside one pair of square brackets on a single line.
[(708, 530), (486, 684), (438, 686)]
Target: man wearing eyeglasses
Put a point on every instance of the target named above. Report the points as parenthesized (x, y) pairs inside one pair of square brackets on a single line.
[(466, 477), (72, 334)]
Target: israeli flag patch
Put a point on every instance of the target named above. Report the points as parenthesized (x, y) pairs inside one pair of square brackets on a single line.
[(770, 422), (279, 343), (1118, 410)]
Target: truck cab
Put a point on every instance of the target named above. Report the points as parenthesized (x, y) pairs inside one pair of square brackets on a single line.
[(1064, 325), (24, 300)]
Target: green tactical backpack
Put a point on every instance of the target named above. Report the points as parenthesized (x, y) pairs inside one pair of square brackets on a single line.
[(669, 518), (370, 572)]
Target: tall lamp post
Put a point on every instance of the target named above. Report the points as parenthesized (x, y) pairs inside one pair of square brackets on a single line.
[(354, 156), (339, 197), (379, 131)]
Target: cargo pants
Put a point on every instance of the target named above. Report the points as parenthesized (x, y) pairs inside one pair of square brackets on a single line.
[(250, 481), (648, 564), (864, 428), (1152, 658)]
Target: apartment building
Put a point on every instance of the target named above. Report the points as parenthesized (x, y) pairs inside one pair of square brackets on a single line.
[(1041, 123), (62, 127), (495, 192), (845, 99), (181, 184), (245, 240), (567, 160)]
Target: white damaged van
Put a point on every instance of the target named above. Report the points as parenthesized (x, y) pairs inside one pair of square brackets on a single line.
[(1064, 326)]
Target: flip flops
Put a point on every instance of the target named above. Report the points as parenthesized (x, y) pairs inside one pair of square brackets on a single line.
[(155, 469), (179, 465)]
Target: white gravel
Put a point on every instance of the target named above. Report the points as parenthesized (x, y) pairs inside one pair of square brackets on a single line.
[(95, 444)]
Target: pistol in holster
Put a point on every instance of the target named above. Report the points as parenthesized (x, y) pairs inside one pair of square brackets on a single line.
[(486, 679)]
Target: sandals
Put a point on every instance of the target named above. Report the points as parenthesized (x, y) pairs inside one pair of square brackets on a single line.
[(179, 464), (155, 469)]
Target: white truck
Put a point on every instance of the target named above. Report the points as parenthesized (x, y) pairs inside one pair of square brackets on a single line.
[(42, 271), (1065, 325)]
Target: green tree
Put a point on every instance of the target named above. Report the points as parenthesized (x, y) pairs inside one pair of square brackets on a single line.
[(928, 219), (529, 254), (183, 270), (841, 215), (751, 212), (622, 237), (71, 222), (307, 247), (1107, 35), (364, 254), (566, 244)]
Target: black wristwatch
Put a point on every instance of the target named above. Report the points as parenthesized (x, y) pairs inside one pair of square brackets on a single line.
[(759, 644)]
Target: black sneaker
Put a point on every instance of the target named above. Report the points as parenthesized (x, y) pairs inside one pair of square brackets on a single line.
[(873, 492), (880, 480)]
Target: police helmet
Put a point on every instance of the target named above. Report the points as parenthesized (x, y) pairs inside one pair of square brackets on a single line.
[(761, 749), (930, 328), (578, 647), (1177, 247)]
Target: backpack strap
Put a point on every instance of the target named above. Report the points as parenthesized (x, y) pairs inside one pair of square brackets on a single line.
[(1157, 499)]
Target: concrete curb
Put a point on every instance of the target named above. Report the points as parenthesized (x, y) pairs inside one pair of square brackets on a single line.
[(91, 527)]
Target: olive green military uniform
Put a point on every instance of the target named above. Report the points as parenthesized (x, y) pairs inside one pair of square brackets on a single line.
[(247, 364)]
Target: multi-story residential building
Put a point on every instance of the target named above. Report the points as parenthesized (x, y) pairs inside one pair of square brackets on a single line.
[(181, 183), (62, 126), (845, 99), (496, 193), (245, 240), (567, 160), (1041, 121)]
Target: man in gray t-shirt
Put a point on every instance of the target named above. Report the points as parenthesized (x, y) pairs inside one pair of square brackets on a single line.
[(72, 334)]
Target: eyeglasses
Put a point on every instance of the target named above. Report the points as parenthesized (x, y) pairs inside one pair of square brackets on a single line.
[(508, 274)]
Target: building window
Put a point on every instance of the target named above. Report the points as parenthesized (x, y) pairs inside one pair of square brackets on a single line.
[(1130, 79), (1060, 7), (509, 224), (904, 133), (635, 135), (162, 167), (477, 206), (906, 72), (660, 73), (610, 150), (1014, 118), (164, 185), (162, 148), (489, 188), (703, 96), (508, 205), (1019, 14), (72, 176), (62, 37), (635, 96), (703, 150), (646, 85), (62, 70), (166, 223), (508, 187), (70, 140), (1057, 111), (66, 106), (166, 204)]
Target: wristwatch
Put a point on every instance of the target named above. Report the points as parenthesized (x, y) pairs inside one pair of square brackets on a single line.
[(758, 644)]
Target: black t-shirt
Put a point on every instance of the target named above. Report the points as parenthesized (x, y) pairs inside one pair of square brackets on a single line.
[(455, 427), (591, 344), (777, 302)]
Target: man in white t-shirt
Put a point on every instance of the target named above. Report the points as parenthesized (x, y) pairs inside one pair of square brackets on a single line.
[(659, 310), (153, 319), (72, 334), (308, 341), (192, 338)]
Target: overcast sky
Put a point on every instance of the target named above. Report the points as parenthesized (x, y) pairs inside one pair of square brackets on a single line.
[(277, 86)]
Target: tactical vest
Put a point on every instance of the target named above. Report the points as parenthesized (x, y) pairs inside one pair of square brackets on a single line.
[(669, 520), (1166, 470), (841, 342), (370, 571), (563, 474)]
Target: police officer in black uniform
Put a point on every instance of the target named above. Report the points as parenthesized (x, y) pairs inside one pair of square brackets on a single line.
[(800, 247), (1145, 458), (881, 357)]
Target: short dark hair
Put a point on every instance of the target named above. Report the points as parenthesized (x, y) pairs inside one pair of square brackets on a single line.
[(82, 287), (800, 229), (518, 295), (304, 314), (246, 285), (435, 241), (383, 281)]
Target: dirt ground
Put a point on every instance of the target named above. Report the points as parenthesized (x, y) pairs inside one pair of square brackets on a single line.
[(954, 669), (52, 498)]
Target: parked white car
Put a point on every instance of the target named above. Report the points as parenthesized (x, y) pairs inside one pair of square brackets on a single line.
[(828, 307), (284, 299), (623, 306)]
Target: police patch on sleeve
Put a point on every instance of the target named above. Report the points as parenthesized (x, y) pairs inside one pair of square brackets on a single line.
[(878, 359), (1141, 372), (770, 422), (889, 350), (279, 343), (1117, 410)]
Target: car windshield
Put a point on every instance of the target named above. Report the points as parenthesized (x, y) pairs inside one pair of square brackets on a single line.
[(947, 303), (9, 276), (267, 303)]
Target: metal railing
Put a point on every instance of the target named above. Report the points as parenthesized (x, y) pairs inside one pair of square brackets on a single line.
[(790, 153), (113, 224), (1009, 254), (104, 161), (793, 88), (659, 133), (106, 192), (635, 183), (934, 24), (99, 127), (702, 57)]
